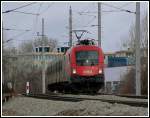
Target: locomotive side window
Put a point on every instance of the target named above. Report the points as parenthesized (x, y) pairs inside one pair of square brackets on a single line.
[(87, 58)]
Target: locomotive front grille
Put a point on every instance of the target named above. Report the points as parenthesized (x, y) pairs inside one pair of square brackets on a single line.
[(97, 78)]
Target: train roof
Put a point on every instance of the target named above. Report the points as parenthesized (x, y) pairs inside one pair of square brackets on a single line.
[(86, 46), (83, 47)]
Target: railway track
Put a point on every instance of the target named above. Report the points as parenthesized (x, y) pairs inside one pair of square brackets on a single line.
[(122, 95), (55, 97), (126, 95), (63, 97), (133, 96)]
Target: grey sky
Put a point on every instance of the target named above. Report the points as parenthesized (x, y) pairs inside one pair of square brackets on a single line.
[(115, 25)]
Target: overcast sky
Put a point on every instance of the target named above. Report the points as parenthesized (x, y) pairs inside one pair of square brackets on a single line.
[(115, 25)]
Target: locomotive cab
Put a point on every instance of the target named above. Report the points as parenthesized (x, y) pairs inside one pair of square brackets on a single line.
[(81, 69), (86, 65)]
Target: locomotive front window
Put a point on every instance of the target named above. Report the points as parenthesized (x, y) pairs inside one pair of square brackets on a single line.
[(87, 58)]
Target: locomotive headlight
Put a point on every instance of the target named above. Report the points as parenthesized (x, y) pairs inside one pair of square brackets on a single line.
[(100, 71), (74, 71)]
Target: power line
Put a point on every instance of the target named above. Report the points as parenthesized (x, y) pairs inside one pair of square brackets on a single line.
[(26, 12), (35, 24), (7, 11), (47, 8), (8, 29), (91, 26), (86, 13), (39, 7), (24, 40), (85, 9), (36, 19), (91, 20), (124, 5), (120, 8), (94, 17), (20, 34)]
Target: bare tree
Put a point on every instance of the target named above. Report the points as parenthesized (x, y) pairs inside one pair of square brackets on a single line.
[(130, 41), (30, 45), (8, 66), (130, 44), (18, 69)]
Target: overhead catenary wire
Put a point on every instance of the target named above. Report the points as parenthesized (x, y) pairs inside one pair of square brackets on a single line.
[(36, 24), (8, 29), (91, 15), (90, 26), (119, 8), (84, 9), (126, 4), (11, 29), (39, 7), (8, 11), (20, 34), (39, 14), (36, 18), (42, 12), (36, 14), (86, 13), (91, 20), (14, 10), (26, 12)]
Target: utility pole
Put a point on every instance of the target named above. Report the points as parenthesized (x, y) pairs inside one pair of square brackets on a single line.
[(70, 27), (43, 60), (137, 46), (2, 51), (99, 24)]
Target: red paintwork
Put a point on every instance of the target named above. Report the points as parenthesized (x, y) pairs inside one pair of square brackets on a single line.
[(83, 70)]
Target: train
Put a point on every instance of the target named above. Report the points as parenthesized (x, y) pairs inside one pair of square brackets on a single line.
[(80, 69), (113, 61), (117, 61)]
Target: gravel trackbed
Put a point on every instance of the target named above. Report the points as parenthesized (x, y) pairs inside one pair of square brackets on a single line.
[(24, 106)]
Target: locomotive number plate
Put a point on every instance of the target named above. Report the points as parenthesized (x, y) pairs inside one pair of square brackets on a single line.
[(88, 71)]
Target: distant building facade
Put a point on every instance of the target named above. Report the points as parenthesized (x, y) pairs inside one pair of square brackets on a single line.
[(47, 56), (119, 58)]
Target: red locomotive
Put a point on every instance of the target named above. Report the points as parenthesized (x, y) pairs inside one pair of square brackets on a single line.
[(81, 69)]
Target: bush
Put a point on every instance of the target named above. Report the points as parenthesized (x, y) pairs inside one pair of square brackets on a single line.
[(128, 86)]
